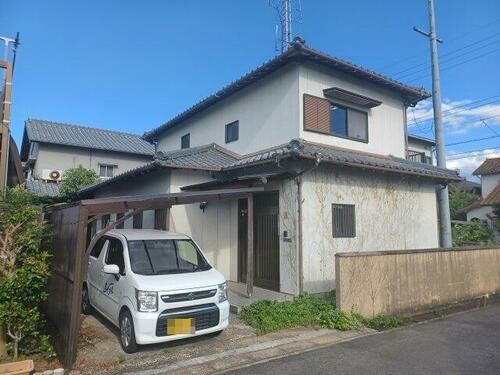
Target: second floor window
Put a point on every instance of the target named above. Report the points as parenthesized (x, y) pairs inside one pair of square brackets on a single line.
[(106, 170), (349, 123), (232, 131), (186, 140)]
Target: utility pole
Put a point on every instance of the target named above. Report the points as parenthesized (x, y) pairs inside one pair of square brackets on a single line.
[(5, 107), (442, 191)]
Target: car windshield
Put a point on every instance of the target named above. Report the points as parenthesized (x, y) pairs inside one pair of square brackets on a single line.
[(159, 257)]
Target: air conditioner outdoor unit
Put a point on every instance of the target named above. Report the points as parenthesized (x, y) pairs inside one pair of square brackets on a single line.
[(51, 175)]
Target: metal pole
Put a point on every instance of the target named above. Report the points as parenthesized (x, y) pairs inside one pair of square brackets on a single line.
[(442, 191), (444, 206)]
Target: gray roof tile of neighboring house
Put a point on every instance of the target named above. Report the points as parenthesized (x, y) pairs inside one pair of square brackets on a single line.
[(298, 52), (215, 158), (80, 136), (42, 188)]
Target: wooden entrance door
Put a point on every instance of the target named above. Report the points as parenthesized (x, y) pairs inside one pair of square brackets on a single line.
[(266, 240)]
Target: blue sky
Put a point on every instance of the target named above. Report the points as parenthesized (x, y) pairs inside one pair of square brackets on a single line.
[(131, 65)]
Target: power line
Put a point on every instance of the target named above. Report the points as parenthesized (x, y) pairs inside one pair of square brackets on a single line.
[(468, 153), (451, 59), (448, 54), (489, 127), (473, 140), (453, 111), (449, 42)]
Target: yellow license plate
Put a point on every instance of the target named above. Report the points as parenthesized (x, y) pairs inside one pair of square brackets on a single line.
[(180, 326)]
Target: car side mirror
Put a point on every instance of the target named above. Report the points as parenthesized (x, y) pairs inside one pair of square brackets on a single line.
[(111, 269)]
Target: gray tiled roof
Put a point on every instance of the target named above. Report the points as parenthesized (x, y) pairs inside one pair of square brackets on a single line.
[(299, 51), (215, 158), (335, 155), (42, 188), (210, 157), (81, 136)]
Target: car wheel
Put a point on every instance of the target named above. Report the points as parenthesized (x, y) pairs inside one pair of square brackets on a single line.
[(86, 306), (127, 333)]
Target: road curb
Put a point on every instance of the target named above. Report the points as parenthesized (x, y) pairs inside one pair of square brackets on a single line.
[(256, 353)]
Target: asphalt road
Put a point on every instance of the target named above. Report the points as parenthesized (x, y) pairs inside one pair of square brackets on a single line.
[(466, 343)]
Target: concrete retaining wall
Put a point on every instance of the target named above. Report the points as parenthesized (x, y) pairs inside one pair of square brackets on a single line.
[(373, 283)]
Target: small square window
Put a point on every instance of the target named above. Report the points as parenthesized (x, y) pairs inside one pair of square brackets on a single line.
[(343, 221), (106, 170), (186, 140), (232, 131)]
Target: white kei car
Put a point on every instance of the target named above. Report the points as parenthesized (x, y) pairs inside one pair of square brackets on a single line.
[(156, 286)]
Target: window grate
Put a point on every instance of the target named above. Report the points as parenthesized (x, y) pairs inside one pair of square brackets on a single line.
[(343, 221)]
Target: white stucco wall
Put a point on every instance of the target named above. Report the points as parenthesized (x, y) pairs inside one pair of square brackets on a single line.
[(386, 133), (215, 229), (65, 157), (267, 112), (391, 213), (488, 183), (480, 213)]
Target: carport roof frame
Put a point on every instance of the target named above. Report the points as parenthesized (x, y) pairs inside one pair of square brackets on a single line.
[(103, 206)]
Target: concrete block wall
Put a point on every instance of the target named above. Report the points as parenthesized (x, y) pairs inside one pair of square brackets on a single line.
[(392, 282)]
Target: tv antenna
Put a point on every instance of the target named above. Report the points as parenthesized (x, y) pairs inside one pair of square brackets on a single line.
[(286, 14)]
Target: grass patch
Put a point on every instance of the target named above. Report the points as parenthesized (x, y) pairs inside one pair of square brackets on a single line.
[(306, 310), (268, 316), (384, 322)]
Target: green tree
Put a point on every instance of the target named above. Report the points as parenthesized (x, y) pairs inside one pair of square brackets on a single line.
[(74, 179), (470, 234), (24, 272), (459, 199)]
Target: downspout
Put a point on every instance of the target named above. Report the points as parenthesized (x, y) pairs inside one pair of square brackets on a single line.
[(298, 181)]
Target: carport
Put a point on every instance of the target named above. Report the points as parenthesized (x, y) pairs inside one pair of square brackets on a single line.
[(71, 245)]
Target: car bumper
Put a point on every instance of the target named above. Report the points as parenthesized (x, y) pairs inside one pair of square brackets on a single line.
[(146, 326)]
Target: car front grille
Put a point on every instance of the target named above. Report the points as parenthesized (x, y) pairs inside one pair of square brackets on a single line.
[(181, 297), (205, 316)]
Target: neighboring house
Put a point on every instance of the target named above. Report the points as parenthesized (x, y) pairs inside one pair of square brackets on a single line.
[(482, 209), (50, 148), (420, 149), (327, 141)]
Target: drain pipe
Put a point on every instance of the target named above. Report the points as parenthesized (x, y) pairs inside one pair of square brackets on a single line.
[(298, 181)]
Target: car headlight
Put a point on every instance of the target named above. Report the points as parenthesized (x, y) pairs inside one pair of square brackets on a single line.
[(222, 292), (146, 301)]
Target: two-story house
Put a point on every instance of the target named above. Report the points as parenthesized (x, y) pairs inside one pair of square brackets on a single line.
[(482, 209), (49, 149), (327, 141), (420, 149)]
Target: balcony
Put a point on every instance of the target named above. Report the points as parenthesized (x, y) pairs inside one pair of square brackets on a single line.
[(419, 157)]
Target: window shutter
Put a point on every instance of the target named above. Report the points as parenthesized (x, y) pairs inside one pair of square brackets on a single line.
[(316, 114)]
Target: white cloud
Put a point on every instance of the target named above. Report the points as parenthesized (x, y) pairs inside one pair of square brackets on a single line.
[(467, 165), (457, 118)]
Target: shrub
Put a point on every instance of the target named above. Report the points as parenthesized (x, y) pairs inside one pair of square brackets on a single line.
[(459, 199), (470, 234), (268, 316), (74, 179), (24, 271)]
